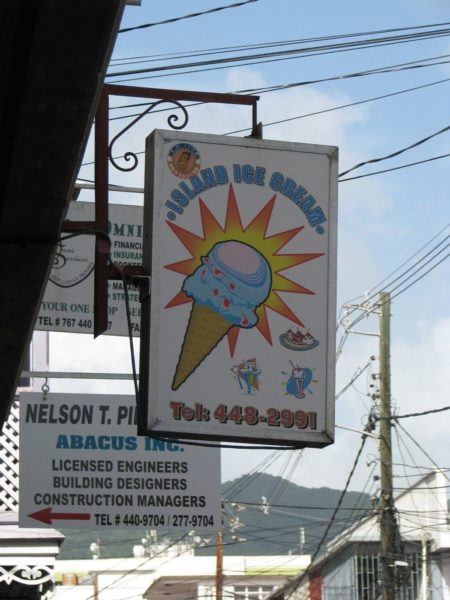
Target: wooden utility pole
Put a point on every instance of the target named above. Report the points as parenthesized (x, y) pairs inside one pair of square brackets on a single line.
[(388, 525), (219, 565)]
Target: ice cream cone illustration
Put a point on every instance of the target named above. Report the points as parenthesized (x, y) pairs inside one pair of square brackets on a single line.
[(232, 281)]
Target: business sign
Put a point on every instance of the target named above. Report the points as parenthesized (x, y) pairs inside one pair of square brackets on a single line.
[(68, 303), (82, 465), (243, 298)]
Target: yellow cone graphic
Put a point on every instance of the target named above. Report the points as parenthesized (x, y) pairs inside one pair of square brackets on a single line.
[(204, 331)]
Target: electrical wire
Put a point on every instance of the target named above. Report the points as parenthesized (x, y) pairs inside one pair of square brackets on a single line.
[(418, 162), (255, 45), (378, 305), (243, 482), (399, 447), (261, 62), (289, 86), (388, 286), (293, 585), (380, 283), (189, 16), (279, 55), (396, 68), (422, 449), (333, 108), (139, 566), (377, 286), (290, 506), (339, 107), (416, 414), (434, 468), (397, 426), (359, 371), (419, 278), (363, 494), (397, 152), (94, 596)]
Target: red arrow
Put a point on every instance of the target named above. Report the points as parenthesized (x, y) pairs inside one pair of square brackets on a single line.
[(46, 516)]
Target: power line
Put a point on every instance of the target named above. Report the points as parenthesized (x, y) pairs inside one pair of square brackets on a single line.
[(241, 483), (388, 286), (290, 86), (367, 297), (357, 374), (260, 62), (407, 66), (433, 462), (293, 585), (139, 566), (282, 54), (415, 466), (412, 164), (415, 414), (188, 16), (379, 304), (281, 86), (304, 116), (421, 277), (378, 285), (396, 153), (255, 45), (293, 506)]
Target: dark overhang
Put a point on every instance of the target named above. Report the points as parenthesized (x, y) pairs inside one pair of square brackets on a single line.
[(53, 59)]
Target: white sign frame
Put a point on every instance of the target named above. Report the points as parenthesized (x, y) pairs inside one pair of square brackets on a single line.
[(82, 465), (314, 171), (68, 302)]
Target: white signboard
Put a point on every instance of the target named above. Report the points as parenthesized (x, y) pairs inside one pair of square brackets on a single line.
[(82, 465), (68, 303), (243, 262)]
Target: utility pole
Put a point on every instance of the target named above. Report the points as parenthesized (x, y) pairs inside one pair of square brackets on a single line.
[(388, 525), (219, 565)]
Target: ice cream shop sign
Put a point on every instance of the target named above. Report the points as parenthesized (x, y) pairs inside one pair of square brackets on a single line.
[(238, 332)]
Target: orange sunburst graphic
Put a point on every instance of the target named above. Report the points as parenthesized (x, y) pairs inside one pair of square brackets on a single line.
[(255, 235)]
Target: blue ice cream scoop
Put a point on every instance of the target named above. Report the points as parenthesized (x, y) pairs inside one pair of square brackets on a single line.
[(233, 280)]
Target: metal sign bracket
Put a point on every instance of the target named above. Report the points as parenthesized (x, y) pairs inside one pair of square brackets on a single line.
[(104, 269)]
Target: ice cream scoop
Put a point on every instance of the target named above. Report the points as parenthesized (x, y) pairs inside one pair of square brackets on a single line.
[(232, 281)]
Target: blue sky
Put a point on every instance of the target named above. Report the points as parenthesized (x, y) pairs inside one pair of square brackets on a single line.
[(382, 219)]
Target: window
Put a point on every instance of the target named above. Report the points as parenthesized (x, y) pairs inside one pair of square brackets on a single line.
[(248, 592), (408, 580)]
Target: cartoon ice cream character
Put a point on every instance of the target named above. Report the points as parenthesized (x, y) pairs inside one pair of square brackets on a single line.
[(295, 385), (232, 281), (299, 380), (247, 373)]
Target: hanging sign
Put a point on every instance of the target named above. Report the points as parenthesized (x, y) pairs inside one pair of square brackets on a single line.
[(68, 303), (243, 297), (82, 466)]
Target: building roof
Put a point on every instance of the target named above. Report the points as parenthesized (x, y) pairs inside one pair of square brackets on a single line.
[(53, 62), (419, 508), (27, 546), (10, 530)]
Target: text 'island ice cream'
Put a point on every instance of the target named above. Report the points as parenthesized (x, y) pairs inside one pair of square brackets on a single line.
[(232, 281)]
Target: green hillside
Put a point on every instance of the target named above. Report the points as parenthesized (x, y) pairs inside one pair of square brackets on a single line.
[(273, 531)]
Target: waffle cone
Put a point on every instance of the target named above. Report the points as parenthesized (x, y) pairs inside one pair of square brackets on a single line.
[(204, 331)]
